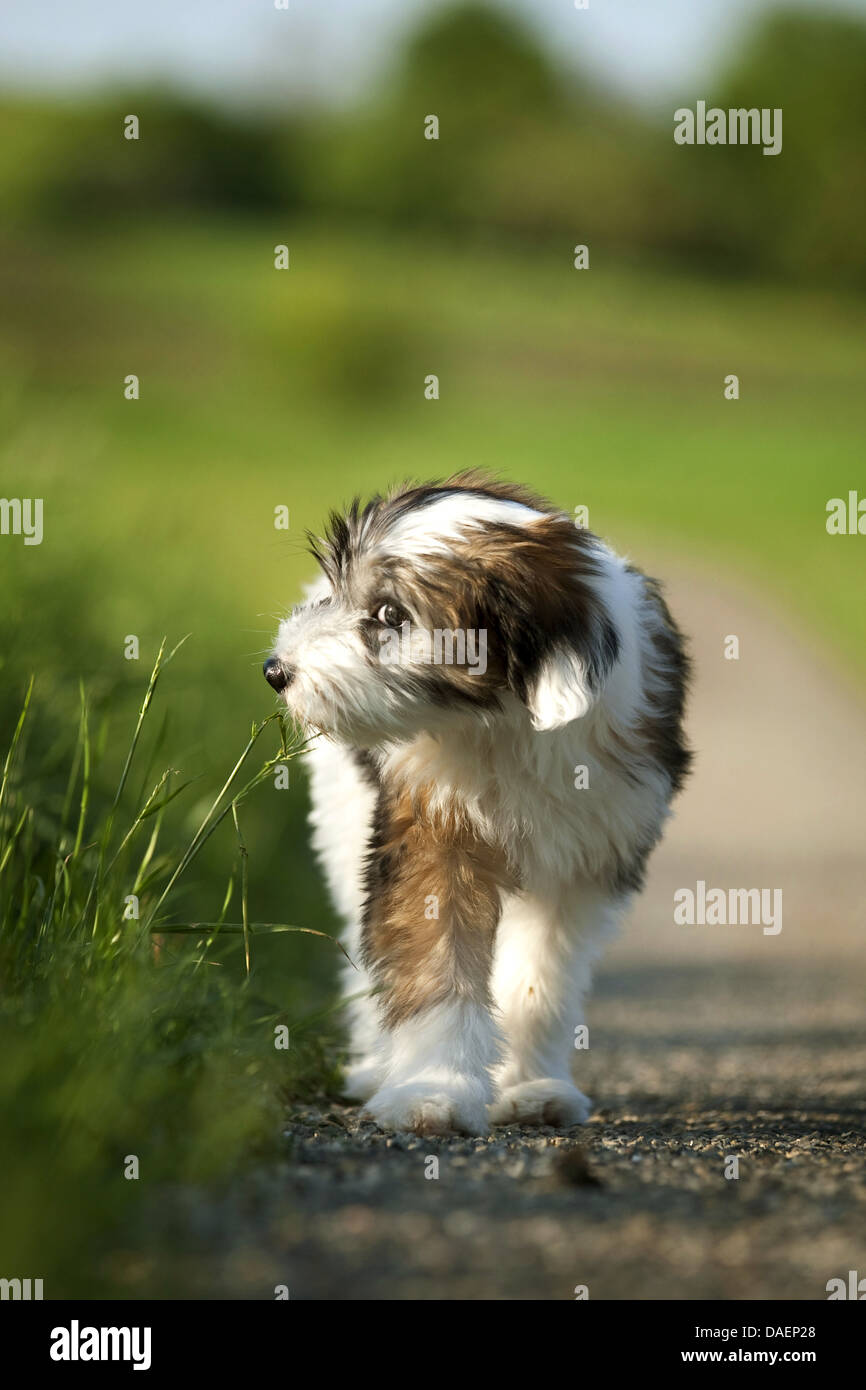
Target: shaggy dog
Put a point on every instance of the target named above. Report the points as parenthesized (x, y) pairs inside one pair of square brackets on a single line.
[(501, 699)]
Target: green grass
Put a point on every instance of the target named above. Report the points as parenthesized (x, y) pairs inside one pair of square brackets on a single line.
[(127, 1029)]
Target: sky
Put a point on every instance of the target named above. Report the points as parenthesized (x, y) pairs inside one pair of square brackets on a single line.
[(238, 50)]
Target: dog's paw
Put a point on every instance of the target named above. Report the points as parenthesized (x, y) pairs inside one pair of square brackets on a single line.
[(362, 1078), (431, 1108), (544, 1102)]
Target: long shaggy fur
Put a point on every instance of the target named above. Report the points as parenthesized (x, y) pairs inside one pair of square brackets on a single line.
[(482, 825)]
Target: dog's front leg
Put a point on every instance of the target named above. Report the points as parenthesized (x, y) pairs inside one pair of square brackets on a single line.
[(428, 940), (545, 948)]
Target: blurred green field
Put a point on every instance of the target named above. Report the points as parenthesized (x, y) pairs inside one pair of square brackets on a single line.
[(262, 388)]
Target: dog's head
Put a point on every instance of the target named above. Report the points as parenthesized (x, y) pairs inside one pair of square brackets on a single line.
[(444, 601)]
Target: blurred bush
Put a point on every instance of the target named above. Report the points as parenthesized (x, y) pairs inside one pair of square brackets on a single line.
[(69, 163)]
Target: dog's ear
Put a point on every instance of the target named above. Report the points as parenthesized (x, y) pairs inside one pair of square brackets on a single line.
[(559, 639), (559, 690)]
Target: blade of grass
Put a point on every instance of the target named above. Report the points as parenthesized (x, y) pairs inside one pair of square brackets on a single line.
[(10, 755), (94, 894), (238, 929), (244, 870), (158, 667), (212, 819)]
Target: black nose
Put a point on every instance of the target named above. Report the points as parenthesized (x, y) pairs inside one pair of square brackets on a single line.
[(276, 674)]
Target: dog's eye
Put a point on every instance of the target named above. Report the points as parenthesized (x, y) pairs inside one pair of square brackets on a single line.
[(390, 615)]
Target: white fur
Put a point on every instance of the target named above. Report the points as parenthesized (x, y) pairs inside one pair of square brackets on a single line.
[(341, 812), (438, 1077), (430, 529), (545, 947)]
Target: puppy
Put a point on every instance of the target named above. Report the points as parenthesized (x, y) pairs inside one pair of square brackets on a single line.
[(500, 699)]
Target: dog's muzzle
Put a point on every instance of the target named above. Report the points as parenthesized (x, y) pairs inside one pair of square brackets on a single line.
[(277, 674)]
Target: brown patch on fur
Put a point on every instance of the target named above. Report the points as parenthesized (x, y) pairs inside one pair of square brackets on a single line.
[(528, 587), (419, 959), (446, 599)]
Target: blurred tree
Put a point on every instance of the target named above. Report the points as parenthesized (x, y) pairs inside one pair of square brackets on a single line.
[(799, 213), (71, 161), (807, 209), (523, 148)]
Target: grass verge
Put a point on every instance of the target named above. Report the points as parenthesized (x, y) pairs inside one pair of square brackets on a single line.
[(137, 1050)]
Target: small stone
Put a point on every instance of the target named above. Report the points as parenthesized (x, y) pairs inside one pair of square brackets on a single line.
[(573, 1170)]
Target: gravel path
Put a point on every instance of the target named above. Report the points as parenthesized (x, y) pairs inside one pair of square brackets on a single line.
[(635, 1204), (706, 1043)]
